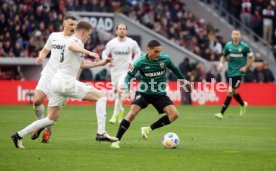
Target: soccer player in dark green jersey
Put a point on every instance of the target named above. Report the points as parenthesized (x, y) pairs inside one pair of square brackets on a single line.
[(152, 90), (237, 52)]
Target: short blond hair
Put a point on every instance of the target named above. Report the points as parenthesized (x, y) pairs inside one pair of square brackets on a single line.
[(83, 25)]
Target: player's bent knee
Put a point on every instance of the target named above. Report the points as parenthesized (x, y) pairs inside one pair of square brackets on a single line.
[(172, 114), (121, 89), (37, 101), (230, 93)]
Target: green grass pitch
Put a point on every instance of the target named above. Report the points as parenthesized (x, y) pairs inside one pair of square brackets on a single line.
[(234, 143)]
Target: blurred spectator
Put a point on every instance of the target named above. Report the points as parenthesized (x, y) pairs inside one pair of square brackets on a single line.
[(234, 7), (86, 75), (257, 22), (258, 57), (198, 73), (268, 75), (171, 76), (102, 76), (262, 73), (185, 68), (246, 8), (258, 73), (216, 47), (10, 73), (268, 19), (36, 43), (213, 74), (249, 75)]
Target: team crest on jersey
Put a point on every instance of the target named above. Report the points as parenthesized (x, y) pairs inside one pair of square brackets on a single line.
[(162, 65), (138, 96), (240, 49), (131, 68)]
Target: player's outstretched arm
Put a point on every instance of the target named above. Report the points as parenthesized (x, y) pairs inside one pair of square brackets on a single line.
[(74, 47), (179, 75), (221, 64), (88, 64), (137, 52), (131, 73), (42, 55), (248, 64)]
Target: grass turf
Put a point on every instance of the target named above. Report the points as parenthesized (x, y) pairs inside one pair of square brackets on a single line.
[(234, 143)]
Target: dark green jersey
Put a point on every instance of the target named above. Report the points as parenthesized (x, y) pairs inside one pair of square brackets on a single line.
[(153, 74), (237, 57)]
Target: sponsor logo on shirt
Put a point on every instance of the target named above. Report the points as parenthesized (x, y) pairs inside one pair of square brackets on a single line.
[(121, 52), (239, 55), (56, 46), (154, 74)]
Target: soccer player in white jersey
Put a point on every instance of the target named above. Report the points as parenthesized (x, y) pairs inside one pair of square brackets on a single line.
[(65, 84), (55, 44), (121, 48)]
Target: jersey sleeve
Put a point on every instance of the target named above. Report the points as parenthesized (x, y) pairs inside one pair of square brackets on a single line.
[(225, 51), (106, 51), (136, 50), (48, 44), (131, 73), (248, 51), (76, 42), (174, 69)]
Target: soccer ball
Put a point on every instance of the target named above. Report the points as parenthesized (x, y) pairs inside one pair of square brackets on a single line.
[(170, 140)]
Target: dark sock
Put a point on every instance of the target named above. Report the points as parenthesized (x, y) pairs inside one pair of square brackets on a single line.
[(18, 136), (161, 122), (122, 128), (226, 104), (239, 99)]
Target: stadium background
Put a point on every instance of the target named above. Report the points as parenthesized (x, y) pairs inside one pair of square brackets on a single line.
[(193, 32), (190, 33)]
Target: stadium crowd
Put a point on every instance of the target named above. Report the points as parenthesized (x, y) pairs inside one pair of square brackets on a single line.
[(260, 15), (26, 25)]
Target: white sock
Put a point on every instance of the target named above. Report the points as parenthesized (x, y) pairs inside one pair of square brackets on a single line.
[(118, 104), (101, 114), (39, 111), (36, 125)]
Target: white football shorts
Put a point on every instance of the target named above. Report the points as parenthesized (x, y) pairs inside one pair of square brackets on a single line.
[(118, 80), (63, 88), (44, 84)]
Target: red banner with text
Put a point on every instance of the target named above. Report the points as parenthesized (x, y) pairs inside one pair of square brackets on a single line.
[(21, 92)]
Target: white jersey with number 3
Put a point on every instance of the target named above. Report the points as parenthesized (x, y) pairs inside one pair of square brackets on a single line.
[(71, 61), (121, 54), (55, 43)]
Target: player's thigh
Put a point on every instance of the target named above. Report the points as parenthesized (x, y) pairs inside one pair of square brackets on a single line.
[(121, 83), (140, 100), (160, 102), (56, 100), (133, 112), (114, 80), (43, 84), (234, 84), (93, 94), (54, 113), (80, 91)]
